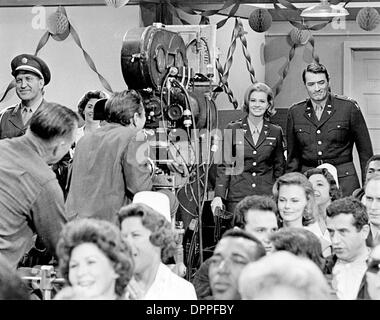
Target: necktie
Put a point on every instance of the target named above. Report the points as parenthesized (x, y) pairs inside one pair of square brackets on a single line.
[(318, 111), (255, 135), (26, 114)]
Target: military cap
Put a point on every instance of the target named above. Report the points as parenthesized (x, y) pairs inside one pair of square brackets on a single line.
[(29, 62)]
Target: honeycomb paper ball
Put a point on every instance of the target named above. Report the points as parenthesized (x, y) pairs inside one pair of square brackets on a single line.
[(368, 18), (300, 37), (116, 3), (260, 20), (58, 24)]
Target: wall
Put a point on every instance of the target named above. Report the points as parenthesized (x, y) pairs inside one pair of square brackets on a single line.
[(101, 30), (329, 47)]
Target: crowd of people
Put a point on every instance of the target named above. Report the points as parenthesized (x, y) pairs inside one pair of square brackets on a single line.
[(76, 193)]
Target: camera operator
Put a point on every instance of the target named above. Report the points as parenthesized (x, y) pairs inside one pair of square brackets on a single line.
[(106, 170)]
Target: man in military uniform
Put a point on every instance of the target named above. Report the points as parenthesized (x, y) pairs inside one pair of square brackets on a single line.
[(324, 128), (31, 75)]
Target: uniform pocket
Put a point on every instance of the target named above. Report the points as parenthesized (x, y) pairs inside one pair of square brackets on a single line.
[(303, 134), (338, 132)]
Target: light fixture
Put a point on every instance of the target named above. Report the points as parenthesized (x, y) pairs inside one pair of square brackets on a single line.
[(324, 10)]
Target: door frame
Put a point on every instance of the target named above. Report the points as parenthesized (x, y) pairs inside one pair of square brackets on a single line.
[(349, 47)]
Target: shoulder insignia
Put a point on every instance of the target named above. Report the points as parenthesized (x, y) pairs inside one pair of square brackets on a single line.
[(236, 121), (341, 97), (298, 103)]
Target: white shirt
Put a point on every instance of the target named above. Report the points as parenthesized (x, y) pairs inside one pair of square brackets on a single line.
[(347, 277), (323, 237), (168, 286)]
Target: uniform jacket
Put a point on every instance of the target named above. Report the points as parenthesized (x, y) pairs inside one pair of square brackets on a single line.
[(106, 172), (11, 124), (256, 166), (311, 142)]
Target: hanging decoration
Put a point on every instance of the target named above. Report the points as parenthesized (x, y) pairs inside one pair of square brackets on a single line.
[(59, 28), (368, 18), (299, 37), (260, 20), (58, 24), (116, 3)]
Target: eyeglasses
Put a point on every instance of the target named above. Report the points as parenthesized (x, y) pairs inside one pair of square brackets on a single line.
[(373, 265)]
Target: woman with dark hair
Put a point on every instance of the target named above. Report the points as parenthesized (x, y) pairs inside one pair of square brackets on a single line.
[(94, 260), (300, 242), (325, 191), (152, 240), (253, 155), (86, 111)]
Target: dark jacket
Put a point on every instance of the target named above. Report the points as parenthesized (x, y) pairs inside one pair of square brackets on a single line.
[(311, 142), (256, 166), (11, 124)]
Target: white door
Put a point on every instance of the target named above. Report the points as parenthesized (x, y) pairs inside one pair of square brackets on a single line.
[(365, 89)]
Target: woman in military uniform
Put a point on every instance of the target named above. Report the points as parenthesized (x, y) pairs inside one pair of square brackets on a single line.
[(253, 151)]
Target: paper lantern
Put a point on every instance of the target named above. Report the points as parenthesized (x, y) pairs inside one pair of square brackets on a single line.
[(260, 20), (300, 37), (368, 18), (58, 25), (116, 3)]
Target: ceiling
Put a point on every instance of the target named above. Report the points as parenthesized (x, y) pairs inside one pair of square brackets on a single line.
[(244, 10)]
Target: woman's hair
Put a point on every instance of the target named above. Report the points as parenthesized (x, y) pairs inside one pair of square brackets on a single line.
[(106, 236), (300, 242), (282, 275), (93, 94), (296, 178), (260, 87), (335, 192), (163, 236), (122, 106)]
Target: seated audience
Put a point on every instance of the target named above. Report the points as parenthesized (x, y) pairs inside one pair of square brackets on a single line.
[(234, 250), (152, 240), (255, 215), (283, 276), (347, 223), (94, 260)]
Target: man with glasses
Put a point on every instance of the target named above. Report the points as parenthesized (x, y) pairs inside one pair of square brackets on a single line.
[(233, 252), (324, 128)]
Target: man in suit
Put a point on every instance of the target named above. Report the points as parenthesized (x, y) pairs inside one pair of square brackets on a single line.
[(324, 128), (31, 75)]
